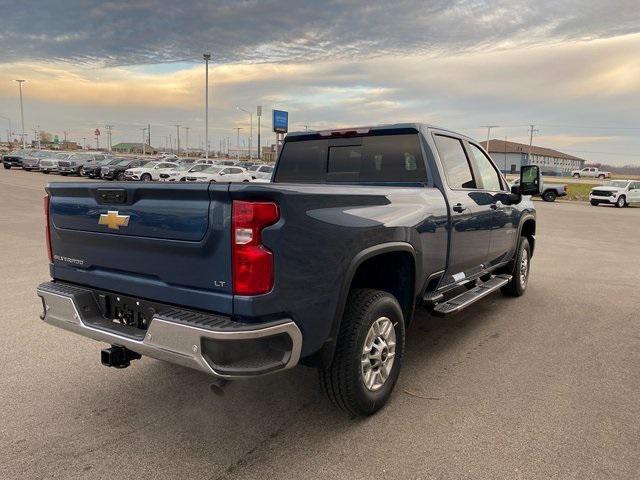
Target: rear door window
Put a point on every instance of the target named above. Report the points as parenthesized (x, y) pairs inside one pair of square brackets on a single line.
[(455, 163)]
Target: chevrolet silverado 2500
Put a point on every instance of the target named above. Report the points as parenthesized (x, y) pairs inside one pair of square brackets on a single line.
[(324, 266)]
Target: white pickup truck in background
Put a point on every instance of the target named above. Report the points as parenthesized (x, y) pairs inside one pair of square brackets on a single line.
[(590, 172)]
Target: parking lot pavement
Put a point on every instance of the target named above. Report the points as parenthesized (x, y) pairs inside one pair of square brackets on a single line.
[(545, 386)]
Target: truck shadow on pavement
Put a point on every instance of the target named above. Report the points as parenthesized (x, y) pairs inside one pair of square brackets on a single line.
[(237, 429)]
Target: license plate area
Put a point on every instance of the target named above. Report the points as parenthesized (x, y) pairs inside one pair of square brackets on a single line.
[(127, 311)]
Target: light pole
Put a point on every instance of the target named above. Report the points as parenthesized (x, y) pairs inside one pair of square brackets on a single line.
[(84, 143), (8, 131), (178, 140), (237, 129), (250, 128), (207, 57), (187, 140), (24, 142), (144, 141), (108, 127), (259, 112)]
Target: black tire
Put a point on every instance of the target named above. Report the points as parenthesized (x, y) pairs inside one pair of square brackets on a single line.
[(601, 176), (120, 176), (343, 381), (517, 285), (549, 196), (621, 202), (46, 173), (26, 169), (6, 167), (145, 177), (594, 203), (576, 175), (63, 174), (183, 179)]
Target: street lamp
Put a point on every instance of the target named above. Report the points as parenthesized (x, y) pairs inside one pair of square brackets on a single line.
[(24, 142), (8, 131), (207, 57), (250, 128)]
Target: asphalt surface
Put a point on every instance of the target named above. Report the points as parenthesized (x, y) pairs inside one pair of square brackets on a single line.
[(544, 386)]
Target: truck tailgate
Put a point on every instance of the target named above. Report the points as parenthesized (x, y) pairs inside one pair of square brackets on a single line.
[(164, 242)]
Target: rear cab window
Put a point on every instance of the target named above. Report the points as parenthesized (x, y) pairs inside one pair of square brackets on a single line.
[(393, 158)]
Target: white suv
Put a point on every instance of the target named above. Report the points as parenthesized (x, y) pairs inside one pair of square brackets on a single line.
[(149, 171), (218, 173), (617, 192)]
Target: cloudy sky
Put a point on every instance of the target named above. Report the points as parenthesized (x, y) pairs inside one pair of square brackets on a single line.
[(571, 67)]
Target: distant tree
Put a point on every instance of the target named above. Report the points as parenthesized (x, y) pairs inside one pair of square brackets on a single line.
[(45, 137)]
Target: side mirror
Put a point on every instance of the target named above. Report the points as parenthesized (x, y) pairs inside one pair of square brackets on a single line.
[(222, 174), (529, 180)]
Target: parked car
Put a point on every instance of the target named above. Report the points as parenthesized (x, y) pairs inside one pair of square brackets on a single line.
[(50, 164), (228, 163), (260, 172), (31, 162), (590, 172), (14, 159), (73, 165), (180, 173), (116, 172), (617, 192), (218, 173), (149, 171), (550, 191), (93, 169), (324, 266)]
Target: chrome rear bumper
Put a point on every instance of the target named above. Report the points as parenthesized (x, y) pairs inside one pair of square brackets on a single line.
[(182, 337)]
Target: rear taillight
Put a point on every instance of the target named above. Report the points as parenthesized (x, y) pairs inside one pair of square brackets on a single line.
[(47, 228), (252, 261)]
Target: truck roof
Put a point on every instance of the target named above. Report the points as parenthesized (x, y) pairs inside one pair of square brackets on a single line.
[(416, 126)]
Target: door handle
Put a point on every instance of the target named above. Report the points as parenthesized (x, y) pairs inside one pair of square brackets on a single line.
[(497, 205), (459, 208)]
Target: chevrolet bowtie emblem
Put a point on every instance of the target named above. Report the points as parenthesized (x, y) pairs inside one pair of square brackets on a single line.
[(113, 220)]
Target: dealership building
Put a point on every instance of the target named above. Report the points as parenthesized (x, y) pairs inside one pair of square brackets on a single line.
[(509, 156)]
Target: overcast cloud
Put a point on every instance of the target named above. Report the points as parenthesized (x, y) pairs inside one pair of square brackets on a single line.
[(569, 66)]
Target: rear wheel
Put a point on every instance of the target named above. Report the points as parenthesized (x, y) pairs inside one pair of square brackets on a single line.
[(601, 176), (621, 202), (120, 176), (520, 270), (549, 196), (368, 355)]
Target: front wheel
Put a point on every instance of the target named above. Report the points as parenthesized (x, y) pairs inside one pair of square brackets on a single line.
[(621, 202), (549, 196), (576, 175), (520, 270), (601, 176), (145, 177), (594, 203), (120, 176), (368, 355), (6, 167)]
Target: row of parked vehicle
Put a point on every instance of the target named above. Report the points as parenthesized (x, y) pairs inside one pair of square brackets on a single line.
[(164, 169)]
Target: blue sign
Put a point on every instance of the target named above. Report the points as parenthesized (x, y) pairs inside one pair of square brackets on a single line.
[(280, 121)]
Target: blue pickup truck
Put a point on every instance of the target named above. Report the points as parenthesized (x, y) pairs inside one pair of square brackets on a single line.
[(324, 266)]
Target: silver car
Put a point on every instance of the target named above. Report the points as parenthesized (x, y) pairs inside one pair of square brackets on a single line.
[(50, 164)]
